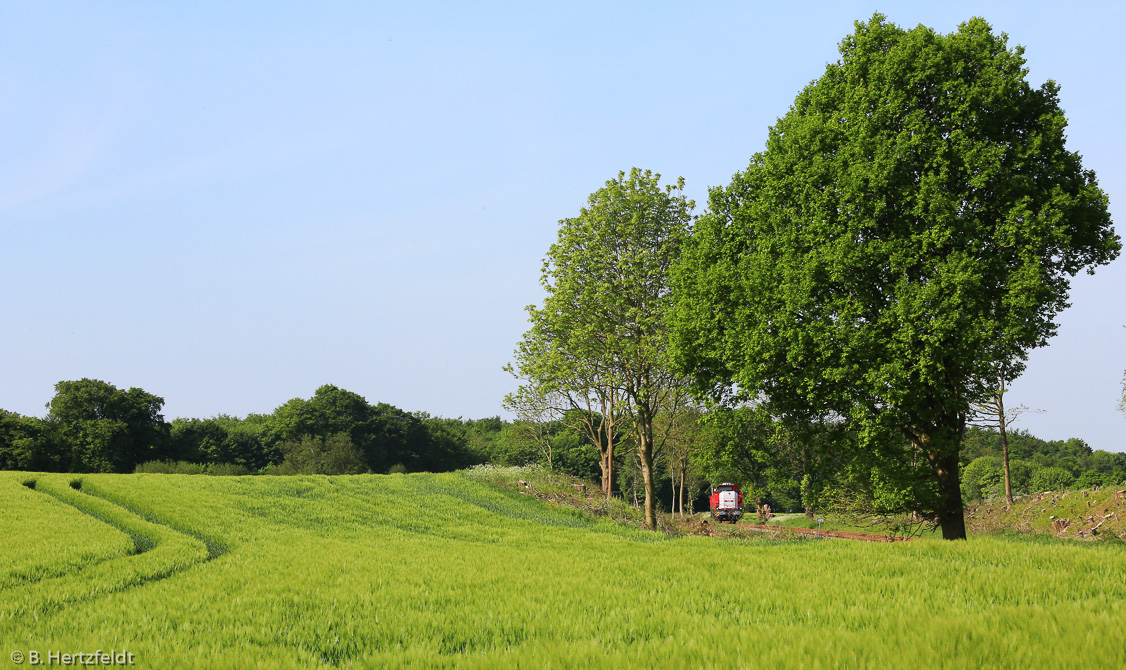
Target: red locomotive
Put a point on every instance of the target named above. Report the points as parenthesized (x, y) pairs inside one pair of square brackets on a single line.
[(727, 502)]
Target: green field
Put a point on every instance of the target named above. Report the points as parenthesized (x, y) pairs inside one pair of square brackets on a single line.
[(448, 571)]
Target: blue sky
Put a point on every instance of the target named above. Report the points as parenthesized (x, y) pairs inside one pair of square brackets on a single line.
[(230, 204)]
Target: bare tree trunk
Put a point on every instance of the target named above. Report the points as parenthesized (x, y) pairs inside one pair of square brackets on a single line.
[(604, 466), (806, 495), (672, 505), (680, 498), (609, 484), (602, 435), (645, 452), (548, 442), (1004, 442), (1008, 479)]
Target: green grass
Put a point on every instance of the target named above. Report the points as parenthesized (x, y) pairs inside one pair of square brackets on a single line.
[(1082, 515), (448, 570)]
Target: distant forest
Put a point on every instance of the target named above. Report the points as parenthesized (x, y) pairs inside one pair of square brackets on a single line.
[(92, 426)]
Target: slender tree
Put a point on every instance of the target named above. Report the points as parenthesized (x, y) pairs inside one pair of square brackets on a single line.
[(1122, 400), (990, 412), (600, 339), (682, 430), (535, 413)]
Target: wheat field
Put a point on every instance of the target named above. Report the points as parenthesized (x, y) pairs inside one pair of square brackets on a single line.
[(448, 571)]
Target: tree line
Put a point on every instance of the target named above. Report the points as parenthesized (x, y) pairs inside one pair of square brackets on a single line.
[(93, 426), (1037, 465)]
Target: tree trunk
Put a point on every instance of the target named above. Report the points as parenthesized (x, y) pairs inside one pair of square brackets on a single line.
[(1004, 442), (806, 494), (606, 462), (672, 505), (645, 451), (950, 509), (680, 499), (941, 445), (610, 471), (1008, 480), (550, 466), (604, 466)]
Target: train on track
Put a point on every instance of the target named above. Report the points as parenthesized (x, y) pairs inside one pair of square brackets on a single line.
[(727, 502)]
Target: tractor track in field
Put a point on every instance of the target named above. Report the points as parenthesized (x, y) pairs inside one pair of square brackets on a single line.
[(143, 543), (215, 548)]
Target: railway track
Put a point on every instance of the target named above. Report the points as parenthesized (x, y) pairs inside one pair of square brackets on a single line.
[(844, 535)]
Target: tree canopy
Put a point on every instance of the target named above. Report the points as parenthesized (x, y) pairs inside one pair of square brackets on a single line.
[(914, 221), (107, 429)]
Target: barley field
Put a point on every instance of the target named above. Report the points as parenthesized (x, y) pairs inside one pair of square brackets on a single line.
[(449, 571)]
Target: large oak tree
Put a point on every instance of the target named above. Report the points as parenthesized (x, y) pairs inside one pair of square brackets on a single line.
[(913, 222)]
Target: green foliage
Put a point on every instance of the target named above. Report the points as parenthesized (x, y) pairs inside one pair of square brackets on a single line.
[(224, 439), (316, 455), (599, 343), (914, 221), (606, 279), (741, 446), (171, 468), (1030, 452), (477, 440), (93, 426), (1091, 479), (383, 434), (575, 455), (1021, 474), (1050, 479), (104, 429), (26, 444), (983, 478)]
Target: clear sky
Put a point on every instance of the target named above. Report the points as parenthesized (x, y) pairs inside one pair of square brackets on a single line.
[(230, 204)]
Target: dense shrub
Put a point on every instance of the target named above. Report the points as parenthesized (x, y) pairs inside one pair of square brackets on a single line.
[(1092, 478), (316, 455), (1050, 479), (984, 478)]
